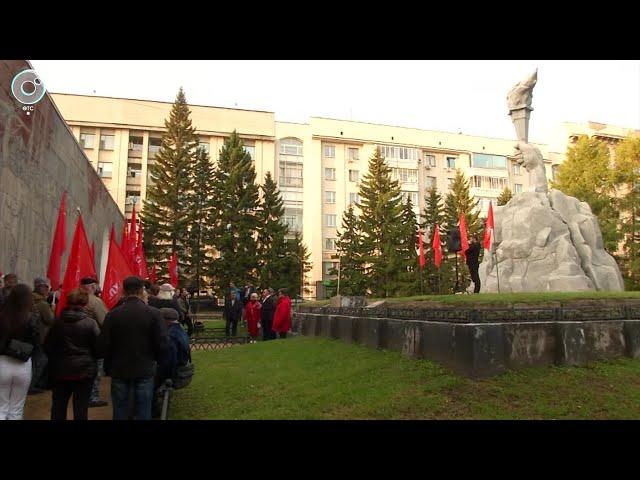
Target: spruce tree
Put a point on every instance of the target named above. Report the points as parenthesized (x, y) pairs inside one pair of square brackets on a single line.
[(436, 280), (457, 202), (587, 176), (272, 232), (349, 248), (198, 260), (294, 277), (166, 212), (381, 216), (406, 255), (505, 196), (235, 203)]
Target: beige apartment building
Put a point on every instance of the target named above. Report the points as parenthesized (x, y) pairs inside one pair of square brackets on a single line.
[(318, 165)]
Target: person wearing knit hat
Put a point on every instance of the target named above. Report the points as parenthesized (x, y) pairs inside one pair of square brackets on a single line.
[(178, 352)]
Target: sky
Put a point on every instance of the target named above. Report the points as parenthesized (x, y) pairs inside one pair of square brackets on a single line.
[(447, 95)]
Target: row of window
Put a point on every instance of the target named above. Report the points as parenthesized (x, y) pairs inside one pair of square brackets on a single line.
[(402, 153), (329, 151), (107, 141), (330, 197), (489, 183), (330, 174)]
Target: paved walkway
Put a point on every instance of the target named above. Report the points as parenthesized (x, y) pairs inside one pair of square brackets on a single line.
[(38, 407)]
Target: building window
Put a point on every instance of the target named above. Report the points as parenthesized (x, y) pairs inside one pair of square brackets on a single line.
[(403, 153), (329, 173), (329, 197), (354, 198), (329, 220), (250, 148), (154, 146), (329, 243), (430, 160), (354, 175), (489, 183), (107, 142), (134, 170), (135, 143), (329, 267), (412, 195), (292, 196), (330, 151), (482, 160), (105, 169), (451, 162), (87, 140), (205, 146), (430, 182), (133, 197), (291, 174), (516, 169), (517, 188), (293, 219), (352, 154), (291, 146), (405, 175)]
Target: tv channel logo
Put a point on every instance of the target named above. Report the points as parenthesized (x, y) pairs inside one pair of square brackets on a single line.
[(27, 87)]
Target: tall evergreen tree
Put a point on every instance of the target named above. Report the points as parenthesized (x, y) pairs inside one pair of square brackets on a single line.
[(272, 232), (457, 202), (198, 259), (437, 280), (166, 214), (381, 216), (235, 204), (406, 255), (627, 178), (299, 266), (505, 196), (586, 175), (349, 248)]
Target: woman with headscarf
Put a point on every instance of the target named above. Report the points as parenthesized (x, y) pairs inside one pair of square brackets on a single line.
[(252, 316), (282, 316)]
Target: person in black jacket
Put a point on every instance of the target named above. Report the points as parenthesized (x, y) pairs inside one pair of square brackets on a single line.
[(134, 341), (72, 348), (269, 302), (164, 298), (473, 253), (232, 314), (19, 333)]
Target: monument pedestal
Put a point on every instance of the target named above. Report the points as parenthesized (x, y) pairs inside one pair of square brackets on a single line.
[(520, 119)]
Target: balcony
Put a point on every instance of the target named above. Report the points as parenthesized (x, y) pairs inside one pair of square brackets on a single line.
[(134, 179), (290, 181)]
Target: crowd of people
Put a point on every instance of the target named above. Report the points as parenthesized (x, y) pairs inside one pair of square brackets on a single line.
[(140, 343)]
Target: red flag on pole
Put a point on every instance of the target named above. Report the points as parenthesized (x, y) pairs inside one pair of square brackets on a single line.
[(79, 264), (117, 270), (173, 270), (437, 248), (124, 244), (132, 241), (420, 249), (464, 241), (58, 246), (141, 261), (488, 229), (152, 275)]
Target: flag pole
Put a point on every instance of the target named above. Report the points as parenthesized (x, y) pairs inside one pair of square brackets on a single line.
[(495, 256)]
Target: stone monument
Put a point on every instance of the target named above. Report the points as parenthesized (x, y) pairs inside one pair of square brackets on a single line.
[(544, 240)]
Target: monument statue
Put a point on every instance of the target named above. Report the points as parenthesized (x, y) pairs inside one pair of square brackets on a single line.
[(531, 158), (544, 240)]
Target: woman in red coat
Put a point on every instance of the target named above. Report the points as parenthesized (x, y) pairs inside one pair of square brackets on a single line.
[(282, 316), (252, 316)]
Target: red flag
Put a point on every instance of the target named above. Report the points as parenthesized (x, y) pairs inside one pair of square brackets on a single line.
[(420, 248), (79, 264), (132, 240), (464, 241), (59, 246), (140, 260), (117, 270), (488, 229), (124, 244), (437, 248), (152, 276), (173, 270)]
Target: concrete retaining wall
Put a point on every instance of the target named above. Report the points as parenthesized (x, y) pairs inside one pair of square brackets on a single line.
[(39, 159), (483, 349)]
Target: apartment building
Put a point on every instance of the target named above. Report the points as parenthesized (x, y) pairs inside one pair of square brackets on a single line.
[(318, 165)]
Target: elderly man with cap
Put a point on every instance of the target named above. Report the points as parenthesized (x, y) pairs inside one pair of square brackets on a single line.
[(46, 317), (165, 299), (97, 310)]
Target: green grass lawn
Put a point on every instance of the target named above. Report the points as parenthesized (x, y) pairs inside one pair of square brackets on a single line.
[(502, 298), (315, 378)]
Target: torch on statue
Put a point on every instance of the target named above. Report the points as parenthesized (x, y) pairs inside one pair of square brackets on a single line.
[(519, 100)]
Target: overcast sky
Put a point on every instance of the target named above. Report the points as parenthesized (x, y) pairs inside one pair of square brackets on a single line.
[(454, 95)]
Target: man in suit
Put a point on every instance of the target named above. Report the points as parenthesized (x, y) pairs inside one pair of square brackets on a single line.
[(134, 341), (232, 314), (267, 312), (473, 263)]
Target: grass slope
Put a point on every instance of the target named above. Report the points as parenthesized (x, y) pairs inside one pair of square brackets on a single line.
[(314, 378)]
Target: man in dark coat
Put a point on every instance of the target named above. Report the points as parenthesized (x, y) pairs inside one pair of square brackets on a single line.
[(267, 312), (232, 314), (473, 263), (133, 339)]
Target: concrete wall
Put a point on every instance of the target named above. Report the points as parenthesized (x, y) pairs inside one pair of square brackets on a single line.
[(39, 159), (483, 349)]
